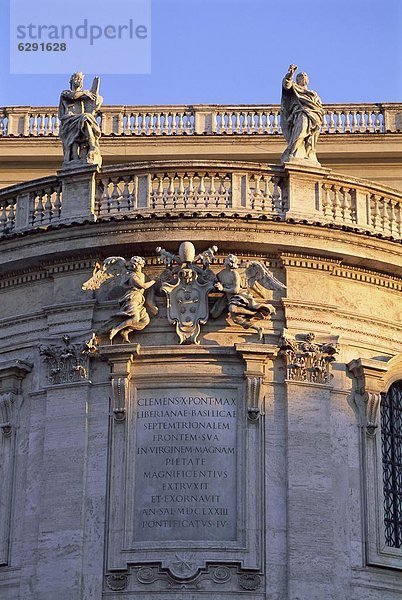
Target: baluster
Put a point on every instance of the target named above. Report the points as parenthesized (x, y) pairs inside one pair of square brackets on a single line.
[(189, 193), (277, 201), (347, 127), (116, 195), (141, 124), (10, 217), (2, 126), (222, 193), (374, 210), (266, 194), (189, 123), (324, 126), (257, 192), (259, 123), (156, 191), (156, 123), (106, 198), (41, 124), (169, 193), (215, 121), (275, 122), (398, 219), (249, 191), (56, 127), (331, 126), (385, 220), (48, 124), (202, 191), (180, 125), (47, 213), (237, 126), (337, 204), (362, 127), (346, 205), (392, 217), (39, 209), (377, 121), (246, 122), (339, 124), (98, 198), (180, 191), (326, 201), (371, 121), (353, 115), (33, 126), (214, 197), (134, 123), (3, 218), (126, 196), (125, 124)]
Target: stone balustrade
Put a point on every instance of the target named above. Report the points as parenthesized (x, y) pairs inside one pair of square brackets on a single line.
[(203, 188), (25, 121)]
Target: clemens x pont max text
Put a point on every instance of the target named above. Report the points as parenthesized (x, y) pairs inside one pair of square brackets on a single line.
[(84, 31)]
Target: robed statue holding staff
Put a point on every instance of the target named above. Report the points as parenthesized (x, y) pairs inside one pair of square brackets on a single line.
[(301, 117), (79, 129)]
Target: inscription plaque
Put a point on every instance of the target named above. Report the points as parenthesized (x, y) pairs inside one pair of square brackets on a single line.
[(185, 464)]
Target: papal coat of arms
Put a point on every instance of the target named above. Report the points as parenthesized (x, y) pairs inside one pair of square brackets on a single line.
[(187, 281)]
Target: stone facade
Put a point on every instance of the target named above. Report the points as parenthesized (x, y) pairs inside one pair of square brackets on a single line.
[(242, 466)]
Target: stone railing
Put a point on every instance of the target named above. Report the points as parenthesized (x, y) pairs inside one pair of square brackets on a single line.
[(25, 121), (203, 188)]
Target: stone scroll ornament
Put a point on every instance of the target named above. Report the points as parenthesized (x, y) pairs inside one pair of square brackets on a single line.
[(79, 128), (245, 286), (187, 285), (137, 304), (301, 117)]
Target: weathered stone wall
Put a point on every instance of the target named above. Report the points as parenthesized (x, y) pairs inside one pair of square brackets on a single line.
[(297, 525)]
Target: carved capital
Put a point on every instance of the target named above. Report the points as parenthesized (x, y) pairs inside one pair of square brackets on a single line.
[(366, 395), (306, 360), (68, 362)]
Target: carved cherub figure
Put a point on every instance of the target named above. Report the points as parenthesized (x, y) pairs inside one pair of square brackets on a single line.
[(240, 283), (135, 306)]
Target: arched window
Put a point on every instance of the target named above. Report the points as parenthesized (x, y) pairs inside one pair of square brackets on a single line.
[(391, 445)]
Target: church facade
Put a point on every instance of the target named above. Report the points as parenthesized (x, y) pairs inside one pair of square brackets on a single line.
[(201, 357)]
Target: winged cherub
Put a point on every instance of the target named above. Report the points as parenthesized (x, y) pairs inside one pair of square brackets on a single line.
[(136, 305), (240, 282)]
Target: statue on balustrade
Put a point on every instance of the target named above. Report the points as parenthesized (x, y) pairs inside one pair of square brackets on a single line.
[(301, 117), (137, 303), (79, 129), (245, 287)]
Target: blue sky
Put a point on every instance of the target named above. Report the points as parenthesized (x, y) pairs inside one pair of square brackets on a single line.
[(237, 51)]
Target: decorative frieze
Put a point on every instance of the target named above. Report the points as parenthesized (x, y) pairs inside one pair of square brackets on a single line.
[(223, 577), (307, 360), (68, 363)]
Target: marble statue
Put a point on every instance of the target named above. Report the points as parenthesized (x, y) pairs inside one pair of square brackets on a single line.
[(79, 129), (301, 117), (244, 287), (136, 305)]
